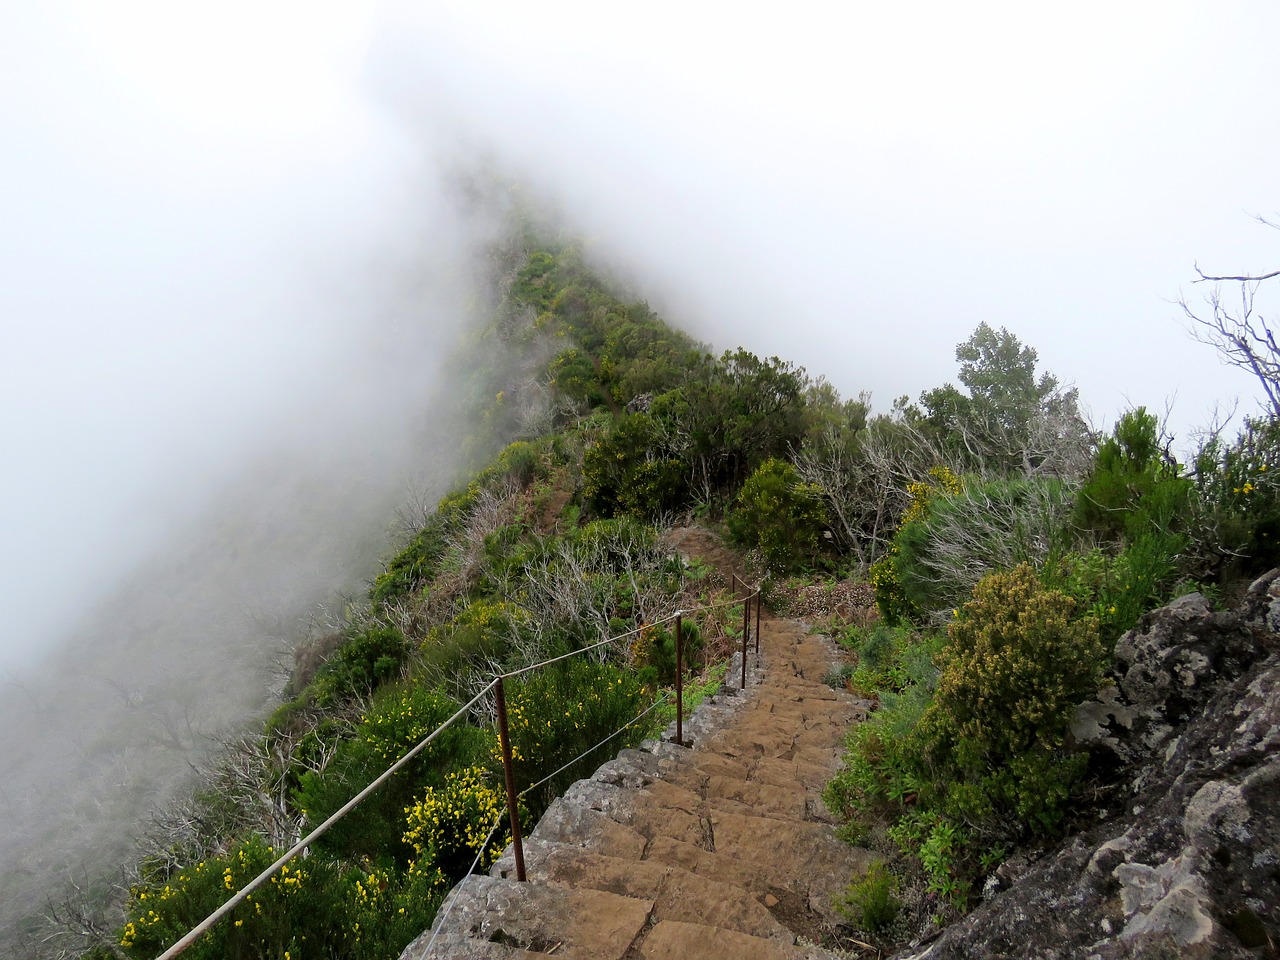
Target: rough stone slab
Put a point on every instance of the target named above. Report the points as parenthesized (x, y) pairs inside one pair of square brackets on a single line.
[(818, 866), (673, 940), (581, 827), (780, 802), (705, 863), (585, 924), (677, 894)]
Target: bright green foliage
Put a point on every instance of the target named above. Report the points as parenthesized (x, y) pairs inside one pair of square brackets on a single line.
[(1017, 662), (779, 515), (1134, 486), (399, 720), (415, 563), (360, 666), (630, 470), (887, 573), (1238, 494), (448, 825), (1116, 590), (654, 650), (480, 636), (366, 914), (872, 901), (559, 715), (883, 773), (890, 658)]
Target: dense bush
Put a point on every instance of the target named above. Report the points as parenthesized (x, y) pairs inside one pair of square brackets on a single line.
[(448, 825), (628, 470), (361, 914), (1018, 660), (887, 573), (399, 720), (967, 759), (1134, 485), (779, 515), (559, 716), (889, 658), (654, 650), (1238, 494), (361, 665)]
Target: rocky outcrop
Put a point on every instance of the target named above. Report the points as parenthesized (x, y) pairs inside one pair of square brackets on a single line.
[(1188, 862)]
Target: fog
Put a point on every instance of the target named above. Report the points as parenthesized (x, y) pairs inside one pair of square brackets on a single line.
[(234, 262)]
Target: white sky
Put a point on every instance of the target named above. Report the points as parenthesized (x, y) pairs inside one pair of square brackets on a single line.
[(194, 201)]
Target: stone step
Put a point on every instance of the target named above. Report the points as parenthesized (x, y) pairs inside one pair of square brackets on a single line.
[(487, 917), (676, 940), (677, 894)]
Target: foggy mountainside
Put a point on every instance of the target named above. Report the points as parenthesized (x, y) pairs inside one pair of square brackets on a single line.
[(351, 352), (987, 520), (185, 651)]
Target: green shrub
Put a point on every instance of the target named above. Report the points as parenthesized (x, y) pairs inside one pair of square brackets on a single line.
[(654, 648), (368, 913), (1238, 497), (361, 665), (889, 572), (1133, 486), (416, 563), (627, 471), (477, 641), (779, 515), (883, 772), (1118, 590), (890, 658), (962, 536), (559, 716), (872, 901), (399, 720), (1016, 663)]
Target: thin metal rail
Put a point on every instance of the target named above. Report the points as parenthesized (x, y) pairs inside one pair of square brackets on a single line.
[(508, 771)]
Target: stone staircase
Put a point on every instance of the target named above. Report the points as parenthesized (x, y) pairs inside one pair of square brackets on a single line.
[(718, 849)]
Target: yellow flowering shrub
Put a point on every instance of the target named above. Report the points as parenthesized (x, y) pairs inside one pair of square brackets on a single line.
[(1017, 662), (448, 825)]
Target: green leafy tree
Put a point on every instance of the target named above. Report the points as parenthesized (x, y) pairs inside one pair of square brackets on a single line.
[(1008, 419)]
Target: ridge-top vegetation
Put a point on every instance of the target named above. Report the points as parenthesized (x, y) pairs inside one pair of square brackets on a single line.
[(1008, 546)]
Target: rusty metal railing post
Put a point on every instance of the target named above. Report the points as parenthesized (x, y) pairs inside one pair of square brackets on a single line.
[(679, 680), (512, 806), (746, 635), (757, 626)]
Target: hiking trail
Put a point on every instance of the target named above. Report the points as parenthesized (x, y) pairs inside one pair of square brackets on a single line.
[(718, 849)]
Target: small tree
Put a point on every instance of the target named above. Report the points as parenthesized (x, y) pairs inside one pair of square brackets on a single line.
[(1009, 420), (1242, 336), (779, 515)]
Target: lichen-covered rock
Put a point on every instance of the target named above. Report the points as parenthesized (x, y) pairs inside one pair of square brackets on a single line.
[(1190, 865)]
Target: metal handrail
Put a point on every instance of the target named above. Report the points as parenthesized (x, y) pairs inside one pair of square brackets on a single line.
[(750, 593)]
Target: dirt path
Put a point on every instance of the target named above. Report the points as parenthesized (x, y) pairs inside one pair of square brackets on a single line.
[(718, 850)]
